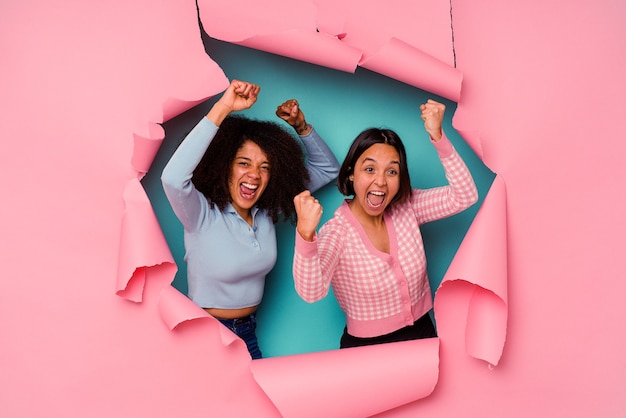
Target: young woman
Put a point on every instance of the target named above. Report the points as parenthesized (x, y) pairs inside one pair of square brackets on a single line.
[(371, 251), (228, 182)]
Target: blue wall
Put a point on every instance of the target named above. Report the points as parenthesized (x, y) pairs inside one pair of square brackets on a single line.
[(339, 105)]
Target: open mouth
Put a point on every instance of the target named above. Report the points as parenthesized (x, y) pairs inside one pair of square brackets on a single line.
[(375, 199), (248, 190)]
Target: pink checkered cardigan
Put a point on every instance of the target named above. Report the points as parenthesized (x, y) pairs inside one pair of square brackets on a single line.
[(381, 292)]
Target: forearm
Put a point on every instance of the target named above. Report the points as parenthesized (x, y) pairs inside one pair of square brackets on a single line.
[(179, 169), (463, 188), (307, 271), (176, 178), (218, 113), (460, 193), (322, 164)]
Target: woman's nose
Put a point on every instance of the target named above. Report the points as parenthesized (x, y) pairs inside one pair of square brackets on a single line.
[(254, 172)]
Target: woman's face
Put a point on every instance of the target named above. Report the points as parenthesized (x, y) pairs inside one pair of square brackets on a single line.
[(376, 180), (249, 176)]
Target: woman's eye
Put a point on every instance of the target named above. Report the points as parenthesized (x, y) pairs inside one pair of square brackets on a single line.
[(393, 172), (369, 169), (265, 168)]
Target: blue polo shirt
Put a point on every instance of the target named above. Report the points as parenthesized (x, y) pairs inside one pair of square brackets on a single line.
[(227, 259)]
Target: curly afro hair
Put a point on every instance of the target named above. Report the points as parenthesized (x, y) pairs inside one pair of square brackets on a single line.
[(288, 173)]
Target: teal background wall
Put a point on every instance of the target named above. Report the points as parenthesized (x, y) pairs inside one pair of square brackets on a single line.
[(339, 105)]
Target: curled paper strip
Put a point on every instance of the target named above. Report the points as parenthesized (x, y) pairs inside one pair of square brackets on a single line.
[(289, 32), (481, 260), (299, 39), (142, 244), (315, 48), (175, 309), (403, 62), (146, 146), (349, 382)]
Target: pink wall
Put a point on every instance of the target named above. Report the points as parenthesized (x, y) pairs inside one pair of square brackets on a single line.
[(542, 93)]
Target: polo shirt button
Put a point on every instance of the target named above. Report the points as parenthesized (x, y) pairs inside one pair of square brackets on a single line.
[(255, 244)]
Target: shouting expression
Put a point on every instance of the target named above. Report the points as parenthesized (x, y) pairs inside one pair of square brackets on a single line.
[(376, 180), (249, 176)]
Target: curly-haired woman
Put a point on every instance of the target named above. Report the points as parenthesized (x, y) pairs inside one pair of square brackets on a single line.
[(229, 182)]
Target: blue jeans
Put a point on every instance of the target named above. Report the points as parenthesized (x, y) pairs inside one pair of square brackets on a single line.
[(245, 328)]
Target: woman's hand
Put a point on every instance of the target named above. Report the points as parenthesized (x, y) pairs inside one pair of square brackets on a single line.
[(309, 212), (239, 95), (432, 115), (290, 112)]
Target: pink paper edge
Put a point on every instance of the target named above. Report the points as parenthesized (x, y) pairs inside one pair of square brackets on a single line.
[(338, 55), (483, 242), (134, 256), (347, 393), (486, 326), (398, 60)]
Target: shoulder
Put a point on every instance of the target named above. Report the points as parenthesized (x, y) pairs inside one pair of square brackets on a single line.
[(338, 225), (405, 205)]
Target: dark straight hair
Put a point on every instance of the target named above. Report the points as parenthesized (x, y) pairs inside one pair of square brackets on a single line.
[(361, 143)]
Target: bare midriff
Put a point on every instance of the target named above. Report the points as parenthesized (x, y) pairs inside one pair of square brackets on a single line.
[(230, 313)]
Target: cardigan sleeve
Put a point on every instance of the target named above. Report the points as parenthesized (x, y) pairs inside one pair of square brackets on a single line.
[(314, 263), (460, 193)]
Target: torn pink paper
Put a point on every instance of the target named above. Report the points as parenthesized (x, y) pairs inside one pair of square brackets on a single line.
[(175, 95), (423, 24), (403, 62), (295, 35), (482, 261), (287, 31), (406, 40), (312, 47), (175, 309), (146, 146), (356, 382), (236, 20), (142, 244), (149, 134)]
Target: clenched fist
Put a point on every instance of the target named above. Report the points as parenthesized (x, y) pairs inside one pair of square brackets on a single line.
[(291, 113), (309, 212), (432, 115)]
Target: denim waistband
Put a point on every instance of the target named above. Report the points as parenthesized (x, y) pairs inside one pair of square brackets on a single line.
[(231, 323)]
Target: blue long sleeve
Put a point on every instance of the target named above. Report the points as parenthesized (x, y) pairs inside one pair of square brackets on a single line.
[(321, 162)]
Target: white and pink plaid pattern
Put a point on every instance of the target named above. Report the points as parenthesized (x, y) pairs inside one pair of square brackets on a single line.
[(380, 292)]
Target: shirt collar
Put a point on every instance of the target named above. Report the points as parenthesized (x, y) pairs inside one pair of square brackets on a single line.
[(231, 209)]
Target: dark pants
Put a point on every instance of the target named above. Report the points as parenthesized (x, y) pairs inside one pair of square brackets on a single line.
[(245, 328), (422, 328)]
